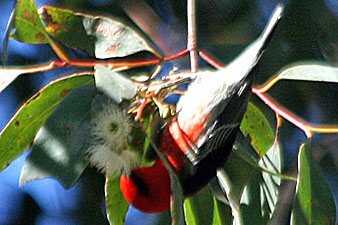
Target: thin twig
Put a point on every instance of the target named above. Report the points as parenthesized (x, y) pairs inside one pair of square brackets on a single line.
[(234, 201), (212, 61), (177, 198), (192, 37), (264, 88)]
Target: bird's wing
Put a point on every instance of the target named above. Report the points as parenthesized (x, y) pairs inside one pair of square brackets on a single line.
[(225, 124), (220, 101)]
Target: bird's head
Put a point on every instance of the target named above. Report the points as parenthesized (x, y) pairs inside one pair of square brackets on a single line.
[(148, 188)]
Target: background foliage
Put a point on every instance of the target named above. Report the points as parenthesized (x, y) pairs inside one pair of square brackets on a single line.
[(307, 33)]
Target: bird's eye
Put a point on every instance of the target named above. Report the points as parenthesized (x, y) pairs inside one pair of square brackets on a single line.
[(140, 184)]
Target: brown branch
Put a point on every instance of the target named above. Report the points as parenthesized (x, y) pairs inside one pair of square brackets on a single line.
[(212, 61), (192, 37)]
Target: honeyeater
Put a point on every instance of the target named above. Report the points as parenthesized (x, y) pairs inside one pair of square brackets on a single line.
[(201, 136)]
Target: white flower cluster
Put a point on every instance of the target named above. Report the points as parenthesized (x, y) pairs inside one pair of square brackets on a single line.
[(109, 151)]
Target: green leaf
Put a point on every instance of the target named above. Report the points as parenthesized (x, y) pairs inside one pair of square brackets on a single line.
[(198, 209), (19, 133), (27, 23), (251, 207), (59, 149), (239, 172), (271, 161), (320, 72), (236, 174), (152, 124), (117, 206), (239, 167), (260, 196), (222, 213), (114, 84), (314, 203), (248, 188), (257, 129), (101, 36)]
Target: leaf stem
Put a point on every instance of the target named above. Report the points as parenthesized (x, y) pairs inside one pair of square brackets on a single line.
[(282, 176), (264, 88), (254, 165)]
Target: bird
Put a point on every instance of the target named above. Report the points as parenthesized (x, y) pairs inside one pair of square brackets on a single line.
[(199, 139)]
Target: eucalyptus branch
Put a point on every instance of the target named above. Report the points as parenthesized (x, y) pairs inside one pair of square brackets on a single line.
[(117, 65), (307, 128)]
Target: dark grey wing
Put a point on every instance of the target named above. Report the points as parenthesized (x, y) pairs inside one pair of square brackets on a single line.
[(217, 139), (227, 112)]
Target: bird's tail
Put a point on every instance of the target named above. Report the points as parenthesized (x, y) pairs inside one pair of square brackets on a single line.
[(251, 55)]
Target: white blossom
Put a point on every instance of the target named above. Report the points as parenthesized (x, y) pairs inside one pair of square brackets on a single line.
[(108, 151), (110, 162), (111, 127)]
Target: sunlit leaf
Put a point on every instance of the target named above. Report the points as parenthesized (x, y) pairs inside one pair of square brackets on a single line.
[(257, 129), (314, 203), (222, 213), (27, 23), (116, 205), (198, 209), (272, 161), (227, 185), (59, 149), (7, 77), (8, 74), (114, 84), (101, 36), (19, 133), (310, 72)]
